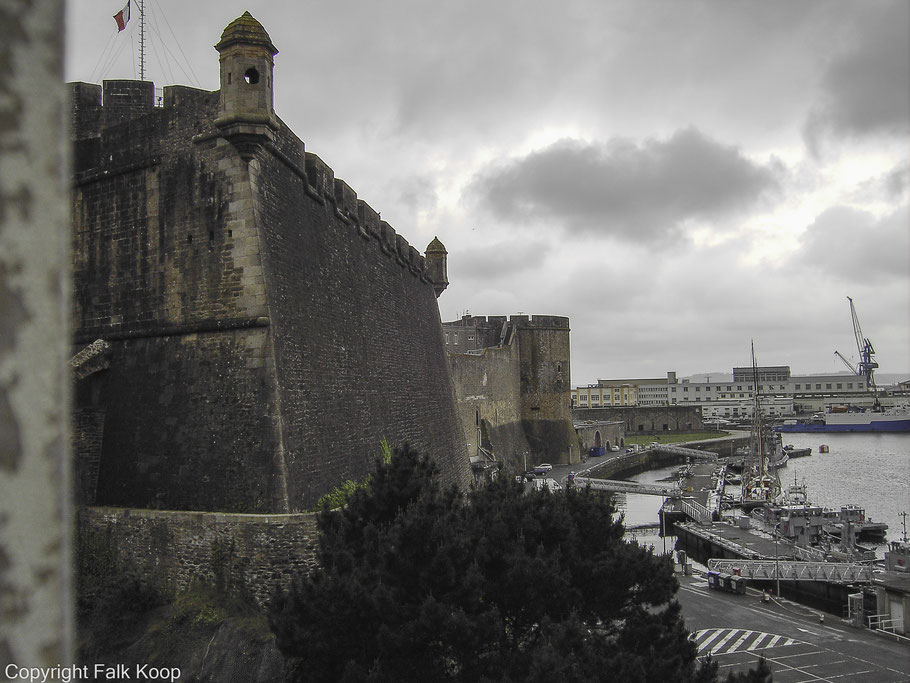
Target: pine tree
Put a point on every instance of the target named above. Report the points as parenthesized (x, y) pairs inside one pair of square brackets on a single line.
[(421, 583)]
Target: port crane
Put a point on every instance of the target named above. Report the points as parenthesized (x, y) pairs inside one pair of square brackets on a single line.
[(867, 364)]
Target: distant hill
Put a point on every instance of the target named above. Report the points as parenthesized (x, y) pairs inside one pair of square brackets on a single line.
[(882, 379)]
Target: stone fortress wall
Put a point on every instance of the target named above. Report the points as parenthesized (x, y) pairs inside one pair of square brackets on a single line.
[(647, 419), (267, 330), (513, 388)]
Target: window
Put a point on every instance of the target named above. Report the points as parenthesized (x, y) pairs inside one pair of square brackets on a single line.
[(818, 386), (470, 337), (251, 76), (849, 385), (827, 386), (456, 338), (840, 386), (798, 387), (447, 337)]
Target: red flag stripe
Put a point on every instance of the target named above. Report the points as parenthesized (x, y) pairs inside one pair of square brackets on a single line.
[(122, 17)]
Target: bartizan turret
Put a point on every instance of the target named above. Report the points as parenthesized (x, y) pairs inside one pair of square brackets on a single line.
[(246, 116), (436, 265)]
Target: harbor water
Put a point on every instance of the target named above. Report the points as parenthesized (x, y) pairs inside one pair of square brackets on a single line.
[(868, 470)]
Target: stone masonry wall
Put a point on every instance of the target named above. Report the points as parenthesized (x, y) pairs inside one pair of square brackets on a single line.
[(517, 395), (647, 420), (358, 341), (488, 391), (190, 424), (267, 330), (545, 401), (255, 553)]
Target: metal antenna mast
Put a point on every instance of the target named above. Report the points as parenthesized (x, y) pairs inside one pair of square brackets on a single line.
[(141, 40)]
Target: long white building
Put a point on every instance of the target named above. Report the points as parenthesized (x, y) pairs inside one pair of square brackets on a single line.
[(781, 392)]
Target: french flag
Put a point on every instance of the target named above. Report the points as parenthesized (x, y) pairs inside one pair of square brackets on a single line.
[(122, 17)]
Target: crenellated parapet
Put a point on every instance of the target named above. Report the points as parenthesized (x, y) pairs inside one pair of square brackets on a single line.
[(519, 321), (117, 129)]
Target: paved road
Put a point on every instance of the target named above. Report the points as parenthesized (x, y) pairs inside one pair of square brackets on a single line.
[(737, 629)]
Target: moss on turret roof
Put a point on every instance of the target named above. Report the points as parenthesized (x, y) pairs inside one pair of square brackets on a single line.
[(245, 29), (436, 247)]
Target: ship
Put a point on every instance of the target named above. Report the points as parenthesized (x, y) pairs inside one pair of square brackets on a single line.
[(849, 418), (760, 483), (852, 419)]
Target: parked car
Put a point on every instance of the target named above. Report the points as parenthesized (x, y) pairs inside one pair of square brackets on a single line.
[(547, 483), (543, 468)]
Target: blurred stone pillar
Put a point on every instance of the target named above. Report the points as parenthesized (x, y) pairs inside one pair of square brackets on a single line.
[(36, 623)]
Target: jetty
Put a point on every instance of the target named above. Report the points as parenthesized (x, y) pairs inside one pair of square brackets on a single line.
[(775, 554)]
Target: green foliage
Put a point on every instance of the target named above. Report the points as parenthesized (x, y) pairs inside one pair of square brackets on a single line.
[(200, 605), (340, 495), (417, 584), (760, 674), (385, 451)]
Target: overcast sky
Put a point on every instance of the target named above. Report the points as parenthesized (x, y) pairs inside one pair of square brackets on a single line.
[(678, 177)]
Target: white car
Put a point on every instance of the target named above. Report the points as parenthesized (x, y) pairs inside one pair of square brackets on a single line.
[(543, 467), (550, 484)]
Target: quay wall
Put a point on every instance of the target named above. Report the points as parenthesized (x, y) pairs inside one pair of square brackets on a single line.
[(633, 463), (830, 597)]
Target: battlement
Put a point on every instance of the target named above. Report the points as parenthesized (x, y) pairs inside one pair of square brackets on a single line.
[(520, 321), (323, 186), (105, 148)]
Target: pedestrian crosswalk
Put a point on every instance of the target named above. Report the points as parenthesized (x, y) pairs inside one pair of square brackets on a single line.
[(718, 641)]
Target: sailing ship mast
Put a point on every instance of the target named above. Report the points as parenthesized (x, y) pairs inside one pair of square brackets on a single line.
[(756, 417), (760, 482)]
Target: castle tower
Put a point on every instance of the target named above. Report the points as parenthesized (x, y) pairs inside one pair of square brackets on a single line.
[(245, 114), (436, 265)]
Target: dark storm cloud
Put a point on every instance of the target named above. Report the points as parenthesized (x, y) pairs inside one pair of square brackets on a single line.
[(624, 189), (865, 90), (853, 246), (898, 181)]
